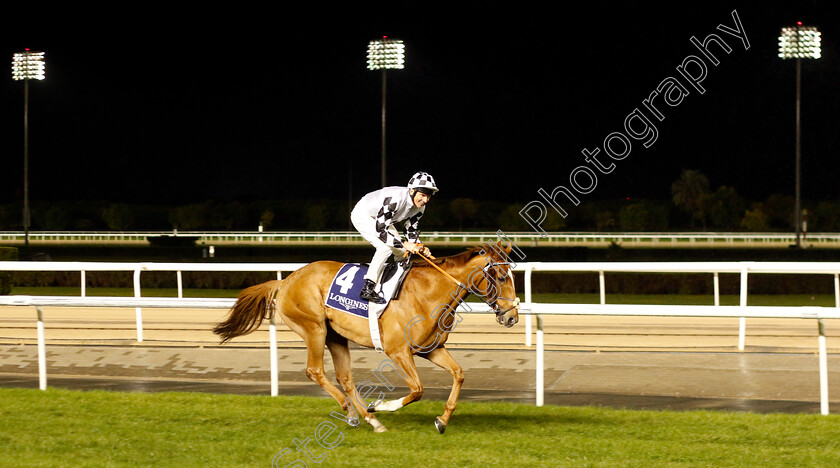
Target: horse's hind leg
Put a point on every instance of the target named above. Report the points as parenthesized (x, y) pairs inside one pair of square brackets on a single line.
[(442, 358), (315, 338), (337, 345)]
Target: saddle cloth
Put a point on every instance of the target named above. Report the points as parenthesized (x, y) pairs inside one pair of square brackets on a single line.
[(348, 283)]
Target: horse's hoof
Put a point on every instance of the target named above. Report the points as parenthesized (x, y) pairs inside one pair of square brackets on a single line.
[(371, 407), (440, 425), (380, 429), (353, 422)]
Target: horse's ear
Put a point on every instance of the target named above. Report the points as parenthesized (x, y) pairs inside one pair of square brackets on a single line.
[(503, 246)]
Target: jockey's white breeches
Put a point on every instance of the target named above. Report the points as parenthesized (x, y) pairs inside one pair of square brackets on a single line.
[(366, 225)]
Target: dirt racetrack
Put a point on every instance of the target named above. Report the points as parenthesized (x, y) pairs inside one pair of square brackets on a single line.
[(616, 361)]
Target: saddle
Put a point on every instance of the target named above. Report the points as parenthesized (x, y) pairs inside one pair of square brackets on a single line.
[(393, 268)]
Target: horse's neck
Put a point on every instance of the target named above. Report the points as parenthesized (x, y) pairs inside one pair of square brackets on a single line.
[(444, 290), (462, 272)]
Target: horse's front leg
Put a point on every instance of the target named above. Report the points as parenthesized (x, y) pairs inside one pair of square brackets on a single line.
[(405, 360), (441, 357)]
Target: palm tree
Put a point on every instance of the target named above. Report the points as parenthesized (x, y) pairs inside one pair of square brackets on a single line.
[(689, 193)]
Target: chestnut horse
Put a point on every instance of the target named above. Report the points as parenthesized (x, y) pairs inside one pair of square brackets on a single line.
[(418, 322)]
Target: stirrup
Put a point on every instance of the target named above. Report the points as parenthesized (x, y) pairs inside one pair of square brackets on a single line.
[(369, 293), (373, 296)]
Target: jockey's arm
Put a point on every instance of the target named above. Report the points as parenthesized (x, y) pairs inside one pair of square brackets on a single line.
[(412, 233)]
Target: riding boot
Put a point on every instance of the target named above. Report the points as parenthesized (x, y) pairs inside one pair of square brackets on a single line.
[(369, 293)]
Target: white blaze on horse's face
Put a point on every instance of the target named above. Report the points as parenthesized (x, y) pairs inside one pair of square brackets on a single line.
[(510, 306)]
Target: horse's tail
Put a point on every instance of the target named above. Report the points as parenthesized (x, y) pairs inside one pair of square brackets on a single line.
[(253, 305)]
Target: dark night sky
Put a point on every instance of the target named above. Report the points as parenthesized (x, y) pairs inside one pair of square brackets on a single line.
[(496, 101)]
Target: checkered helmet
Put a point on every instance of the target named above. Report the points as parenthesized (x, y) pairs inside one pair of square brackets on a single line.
[(423, 181)]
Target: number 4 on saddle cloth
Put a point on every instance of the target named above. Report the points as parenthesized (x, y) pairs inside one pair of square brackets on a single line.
[(347, 285)]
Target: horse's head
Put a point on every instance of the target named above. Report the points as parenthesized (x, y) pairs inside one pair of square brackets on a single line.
[(492, 280)]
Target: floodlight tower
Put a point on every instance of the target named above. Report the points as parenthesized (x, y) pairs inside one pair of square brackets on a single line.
[(27, 65), (799, 42), (385, 54)]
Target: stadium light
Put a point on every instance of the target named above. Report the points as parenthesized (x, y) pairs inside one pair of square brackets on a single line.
[(27, 65), (385, 54), (799, 42)]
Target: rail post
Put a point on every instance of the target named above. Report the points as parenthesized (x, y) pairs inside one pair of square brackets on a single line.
[(138, 311), (601, 287), (540, 363), (42, 352), (823, 369), (272, 358), (716, 282), (528, 298), (272, 349), (742, 325)]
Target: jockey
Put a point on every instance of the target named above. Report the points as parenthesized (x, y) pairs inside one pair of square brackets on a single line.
[(375, 215)]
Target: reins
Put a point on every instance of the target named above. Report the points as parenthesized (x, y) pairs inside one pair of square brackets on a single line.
[(441, 270)]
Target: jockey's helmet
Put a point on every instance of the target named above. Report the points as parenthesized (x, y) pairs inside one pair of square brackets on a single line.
[(423, 182)]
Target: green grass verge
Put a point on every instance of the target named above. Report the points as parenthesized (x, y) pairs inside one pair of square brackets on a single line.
[(60, 428)]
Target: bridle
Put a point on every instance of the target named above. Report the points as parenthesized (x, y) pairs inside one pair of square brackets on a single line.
[(494, 303)]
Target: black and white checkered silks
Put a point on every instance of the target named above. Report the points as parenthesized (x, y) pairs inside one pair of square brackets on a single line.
[(382, 233), (390, 242), (387, 232)]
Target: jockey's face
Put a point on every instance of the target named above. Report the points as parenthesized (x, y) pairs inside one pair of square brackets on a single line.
[(420, 199)]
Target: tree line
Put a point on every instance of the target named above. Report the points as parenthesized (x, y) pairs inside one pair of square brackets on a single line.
[(693, 205)]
